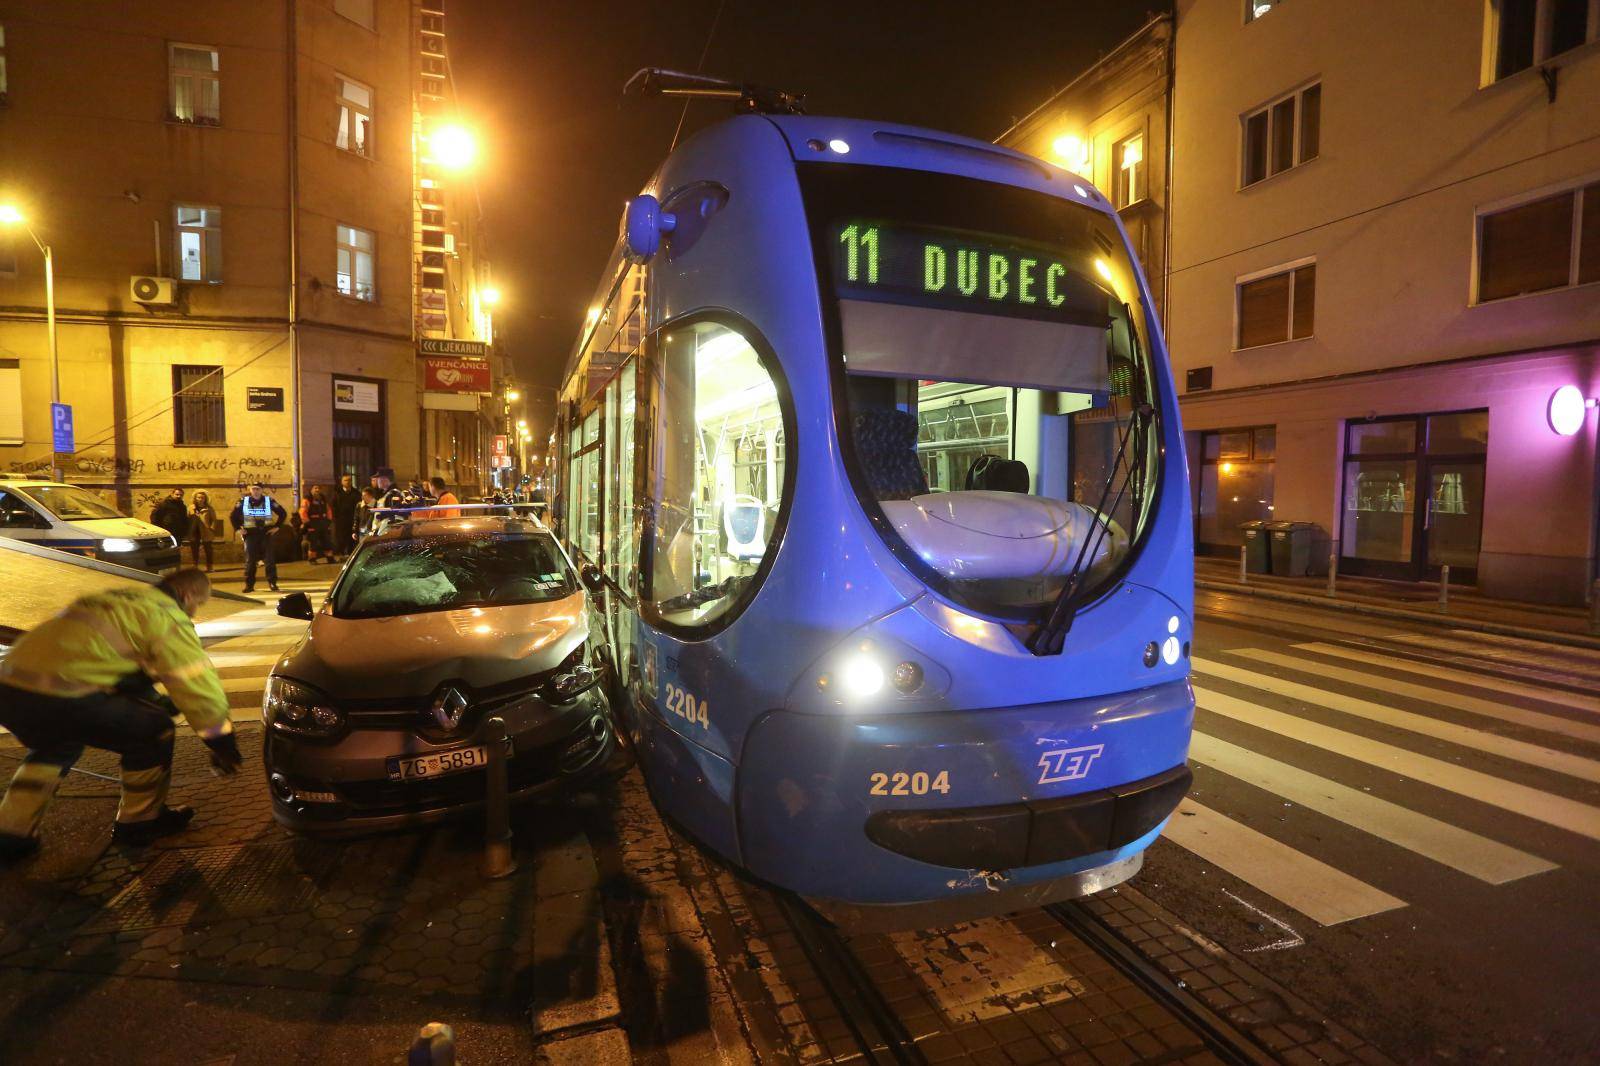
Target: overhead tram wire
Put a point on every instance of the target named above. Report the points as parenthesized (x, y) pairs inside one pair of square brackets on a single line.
[(699, 68)]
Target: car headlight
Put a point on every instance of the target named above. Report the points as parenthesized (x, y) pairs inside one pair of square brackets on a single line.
[(118, 544), (572, 677), (298, 710)]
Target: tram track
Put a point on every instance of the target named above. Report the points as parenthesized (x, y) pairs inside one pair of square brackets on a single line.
[(872, 1021), (1220, 1037)]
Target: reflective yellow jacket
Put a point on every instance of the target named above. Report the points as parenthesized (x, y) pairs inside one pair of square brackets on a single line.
[(104, 638)]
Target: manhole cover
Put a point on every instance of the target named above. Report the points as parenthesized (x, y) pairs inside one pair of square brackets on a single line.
[(199, 885)]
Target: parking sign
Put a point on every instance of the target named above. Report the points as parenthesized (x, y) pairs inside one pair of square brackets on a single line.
[(61, 427)]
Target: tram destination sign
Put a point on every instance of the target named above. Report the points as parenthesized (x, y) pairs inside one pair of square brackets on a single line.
[(957, 270)]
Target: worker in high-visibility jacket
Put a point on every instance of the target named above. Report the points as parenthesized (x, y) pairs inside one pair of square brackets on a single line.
[(85, 678)]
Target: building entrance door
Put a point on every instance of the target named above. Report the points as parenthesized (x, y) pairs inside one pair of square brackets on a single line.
[(360, 443), (1413, 495)]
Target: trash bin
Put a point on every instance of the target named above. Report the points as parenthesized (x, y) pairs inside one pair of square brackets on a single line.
[(1295, 549), (1257, 553)]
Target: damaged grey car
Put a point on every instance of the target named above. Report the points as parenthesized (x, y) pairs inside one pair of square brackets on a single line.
[(377, 717)]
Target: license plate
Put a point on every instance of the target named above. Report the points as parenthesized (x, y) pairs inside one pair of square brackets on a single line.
[(439, 763)]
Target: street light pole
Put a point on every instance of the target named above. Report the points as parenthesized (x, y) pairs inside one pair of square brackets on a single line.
[(11, 216), (56, 473)]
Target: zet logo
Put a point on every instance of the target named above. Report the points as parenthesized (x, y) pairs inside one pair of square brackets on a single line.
[(1067, 764)]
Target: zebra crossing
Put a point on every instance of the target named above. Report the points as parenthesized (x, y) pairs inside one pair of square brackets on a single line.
[(244, 645), (1470, 747)]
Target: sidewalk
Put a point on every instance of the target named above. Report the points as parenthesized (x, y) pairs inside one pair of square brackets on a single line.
[(1407, 601)]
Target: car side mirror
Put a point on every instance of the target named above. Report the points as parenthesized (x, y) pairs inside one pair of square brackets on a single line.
[(296, 605), (593, 578)]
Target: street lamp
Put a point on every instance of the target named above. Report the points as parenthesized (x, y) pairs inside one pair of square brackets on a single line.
[(491, 296), (453, 146), (9, 215)]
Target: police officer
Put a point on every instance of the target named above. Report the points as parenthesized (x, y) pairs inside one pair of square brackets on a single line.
[(256, 516), (85, 679), (390, 495)]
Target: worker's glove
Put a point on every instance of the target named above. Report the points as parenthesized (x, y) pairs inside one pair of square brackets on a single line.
[(225, 757)]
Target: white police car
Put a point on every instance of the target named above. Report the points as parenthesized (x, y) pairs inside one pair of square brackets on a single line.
[(73, 519)]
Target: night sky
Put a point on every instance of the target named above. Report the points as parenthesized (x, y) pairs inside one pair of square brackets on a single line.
[(561, 150)]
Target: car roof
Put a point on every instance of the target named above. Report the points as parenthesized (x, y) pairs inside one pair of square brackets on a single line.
[(413, 528), (32, 483)]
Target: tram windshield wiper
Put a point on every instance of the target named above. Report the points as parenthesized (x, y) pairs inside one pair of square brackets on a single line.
[(1051, 637)]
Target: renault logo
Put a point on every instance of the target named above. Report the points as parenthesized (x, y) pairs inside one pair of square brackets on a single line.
[(448, 707)]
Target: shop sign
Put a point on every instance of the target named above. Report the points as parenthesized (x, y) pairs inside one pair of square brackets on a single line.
[(257, 398), (355, 395), (450, 346), (455, 375), (499, 447)]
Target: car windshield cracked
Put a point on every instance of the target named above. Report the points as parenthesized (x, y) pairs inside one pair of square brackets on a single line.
[(412, 576)]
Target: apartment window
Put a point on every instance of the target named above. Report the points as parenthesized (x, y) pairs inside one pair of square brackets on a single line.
[(1277, 306), (196, 84), (1254, 9), (355, 117), (1524, 33), (357, 262), (1549, 243), (1282, 135), (1129, 181), (357, 11), (197, 408), (199, 232)]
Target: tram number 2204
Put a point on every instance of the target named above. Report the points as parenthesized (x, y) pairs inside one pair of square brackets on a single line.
[(915, 784), (685, 706)]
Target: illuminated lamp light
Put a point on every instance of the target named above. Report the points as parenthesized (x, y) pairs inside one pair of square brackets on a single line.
[(1567, 409), (1082, 194), (1225, 468), (1103, 268), (453, 147), (1170, 650), (1073, 151), (594, 316), (840, 146), (1172, 624), (862, 676)]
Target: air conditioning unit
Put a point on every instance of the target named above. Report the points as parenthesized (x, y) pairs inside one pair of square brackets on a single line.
[(148, 290)]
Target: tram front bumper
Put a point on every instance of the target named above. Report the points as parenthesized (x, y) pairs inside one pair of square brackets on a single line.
[(992, 797)]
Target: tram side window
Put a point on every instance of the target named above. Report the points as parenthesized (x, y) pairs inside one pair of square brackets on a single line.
[(717, 472)]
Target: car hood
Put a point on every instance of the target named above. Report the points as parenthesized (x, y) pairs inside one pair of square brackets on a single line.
[(131, 528), (410, 655)]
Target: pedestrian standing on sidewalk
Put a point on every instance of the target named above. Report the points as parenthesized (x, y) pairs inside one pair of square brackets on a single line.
[(203, 527), (172, 515), (316, 515), (254, 518), (345, 501), (79, 680)]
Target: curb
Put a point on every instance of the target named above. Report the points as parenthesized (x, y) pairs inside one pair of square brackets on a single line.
[(1547, 636)]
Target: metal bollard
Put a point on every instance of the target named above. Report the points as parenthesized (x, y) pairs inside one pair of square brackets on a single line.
[(1244, 576), (1333, 568), (435, 1045), (497, 859), (1594, 607), (1444, 587)]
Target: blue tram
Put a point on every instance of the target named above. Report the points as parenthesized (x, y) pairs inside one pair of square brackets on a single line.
[(872, 432)]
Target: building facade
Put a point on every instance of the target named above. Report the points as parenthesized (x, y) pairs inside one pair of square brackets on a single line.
[(253, 247), (1382, 257)]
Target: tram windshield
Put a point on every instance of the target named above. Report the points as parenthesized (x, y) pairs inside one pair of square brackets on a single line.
[(997, 382)]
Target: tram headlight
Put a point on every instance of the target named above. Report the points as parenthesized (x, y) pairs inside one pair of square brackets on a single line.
[(861, 675)]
